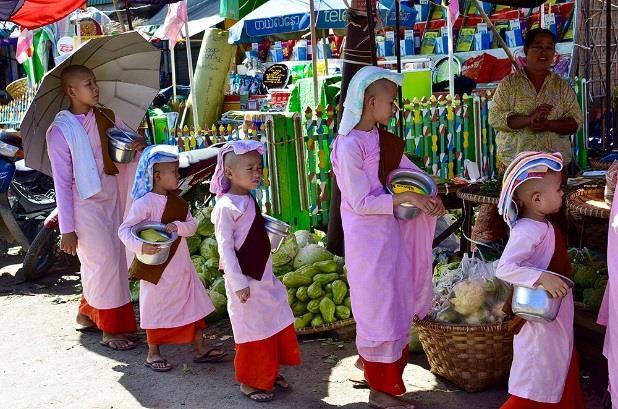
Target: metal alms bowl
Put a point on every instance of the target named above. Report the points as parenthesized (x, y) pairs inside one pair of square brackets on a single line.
[(536, 304), (413, 178), (164, 246), (119, 140), (277, 231)]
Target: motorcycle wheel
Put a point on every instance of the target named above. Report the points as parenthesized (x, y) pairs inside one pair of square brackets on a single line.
[(42, 255)]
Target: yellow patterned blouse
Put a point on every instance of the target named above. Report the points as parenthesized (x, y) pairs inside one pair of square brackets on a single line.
[(516, 95)]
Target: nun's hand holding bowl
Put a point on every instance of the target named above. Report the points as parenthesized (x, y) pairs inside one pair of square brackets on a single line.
[(139, 144)]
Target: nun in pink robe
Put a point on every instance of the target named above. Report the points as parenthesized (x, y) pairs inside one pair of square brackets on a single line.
[(388, 260), (95, 219)]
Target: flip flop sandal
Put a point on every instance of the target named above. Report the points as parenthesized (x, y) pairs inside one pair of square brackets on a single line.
[(251, 396), (360, 384), (282, 383), (127, 348), (209, 357), (87, 330), (166, 368)]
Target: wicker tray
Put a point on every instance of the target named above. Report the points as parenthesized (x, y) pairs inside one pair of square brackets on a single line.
[(588, 202), (599, 164), (17, 88), (471, 194), (473, 357), (326, 327)]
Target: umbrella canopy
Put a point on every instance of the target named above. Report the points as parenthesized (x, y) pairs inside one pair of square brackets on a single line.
[(127, 70), (295, 18), (32, 14)]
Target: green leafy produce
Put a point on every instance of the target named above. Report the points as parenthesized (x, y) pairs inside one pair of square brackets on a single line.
[(328, 266), (448, 315), (327, 309), (317, 321), (348, 302), (280, 271), (296, 279), (340, 263), (319, 237), (218, 286), (415, 343), (315, 291), (208, 249), (299, 308), (291, 296), (303, 238), (220, 303), (593, 298), (204, 225), (314, 306), (342, 312), (205, 278), (601, 282), (301, 294), (198, 262), (585, 276), (312, 253), (303, 321), (491, 188), (194, 244), (324, 279), (286, 252), (340, 290), (134, 287), (442, 268)]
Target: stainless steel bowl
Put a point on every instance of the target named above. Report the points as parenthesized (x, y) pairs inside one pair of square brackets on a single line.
[(164, 246), (277, 231), (536, 304), (119, 141), (419, 180)]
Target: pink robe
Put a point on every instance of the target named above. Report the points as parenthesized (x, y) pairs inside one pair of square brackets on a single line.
[(388, 260), (267, 311), (608, 315), (95, 220), (541, 351), (179, 298)]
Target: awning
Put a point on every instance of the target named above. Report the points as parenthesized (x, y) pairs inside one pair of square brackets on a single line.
[(203, 14)]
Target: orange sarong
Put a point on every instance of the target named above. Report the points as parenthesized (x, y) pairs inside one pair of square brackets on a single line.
[(386, 378), (120, 320), (572, 397), (257, 362), (184, 334)]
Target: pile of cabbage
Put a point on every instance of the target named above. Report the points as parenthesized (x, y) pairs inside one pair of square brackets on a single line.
[(590, 276), (468, 292)]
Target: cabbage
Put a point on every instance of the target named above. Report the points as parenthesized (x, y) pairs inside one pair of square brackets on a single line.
[(303, 238), (286, 251), (194, 244), (469, 296), (208, 249), (204, 224), (218, 286), (198, 262), (220, 303), (312, 253), (134, 287)]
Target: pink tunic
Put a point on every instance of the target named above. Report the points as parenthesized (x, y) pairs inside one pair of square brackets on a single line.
[(179, 298), (541, 351), (267, 311), (608, 315), (388, 260), (95, 220)]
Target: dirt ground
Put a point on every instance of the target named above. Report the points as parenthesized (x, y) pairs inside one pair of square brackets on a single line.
[(47, 364)]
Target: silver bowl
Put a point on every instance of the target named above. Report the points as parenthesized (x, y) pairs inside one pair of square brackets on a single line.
[(419, 180), (164, 246), (119, 140), (536, 304), (277, 231)]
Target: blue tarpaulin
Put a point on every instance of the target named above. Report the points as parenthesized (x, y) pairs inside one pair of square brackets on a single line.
[(330, 15)]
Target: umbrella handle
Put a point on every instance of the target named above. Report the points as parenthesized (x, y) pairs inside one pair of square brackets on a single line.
[(113, 122)]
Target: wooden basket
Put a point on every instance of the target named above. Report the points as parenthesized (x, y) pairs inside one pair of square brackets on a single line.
[(472, 194), (588, 202), (473, 357), (326, 327), (17, 89)]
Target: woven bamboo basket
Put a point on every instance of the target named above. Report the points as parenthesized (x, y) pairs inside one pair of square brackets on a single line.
[(473, 357), (326, 327), (17, 88), (472, 194), (599, 164)]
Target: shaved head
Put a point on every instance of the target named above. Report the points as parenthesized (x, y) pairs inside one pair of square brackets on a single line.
[(73, 73), (379, 87), (526, 191)]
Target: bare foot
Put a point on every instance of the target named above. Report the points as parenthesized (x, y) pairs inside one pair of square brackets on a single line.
[(256, 395), (381, 400), (117, 342), (84, 321)]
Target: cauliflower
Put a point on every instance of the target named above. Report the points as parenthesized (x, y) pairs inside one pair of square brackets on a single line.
[(478, 317), (468, 296)]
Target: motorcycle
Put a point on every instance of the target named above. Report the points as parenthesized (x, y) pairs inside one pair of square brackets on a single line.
[(44, 253)]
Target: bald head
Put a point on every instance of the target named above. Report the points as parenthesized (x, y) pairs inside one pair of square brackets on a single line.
[(74, 73), (381, 87), (534, 189)]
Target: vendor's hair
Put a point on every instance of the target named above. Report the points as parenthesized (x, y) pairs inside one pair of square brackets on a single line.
[(534, 33)]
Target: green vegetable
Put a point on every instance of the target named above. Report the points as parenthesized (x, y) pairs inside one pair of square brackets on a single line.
[(134, 287), (342, 312), (314, 306), (286, 252), (204, 225), (327, 309), (593, 298), (325, 278), (218, 286), (303, 238), (220, 303), (584, 276), (448, 315), (415, 343), (301, 294), (282, 270), (328, 288), (491, 188), (312, 253), (340, 263), (299, 308), (601, 282), (291, 296), (317, 321), (198, 262), (340, 290), (348, 302), (194, 244), (295, 279), (208, 248), (303, 321), (315, 291), (328, 266), (308, 271)]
